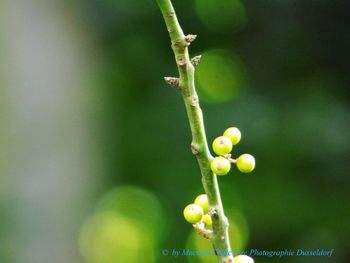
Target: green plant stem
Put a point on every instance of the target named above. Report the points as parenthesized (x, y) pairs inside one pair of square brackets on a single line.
[(199, 146)]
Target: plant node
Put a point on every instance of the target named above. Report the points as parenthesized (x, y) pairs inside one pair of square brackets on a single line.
[(195, 60), (172, 81), (190, 38), (194, 148)]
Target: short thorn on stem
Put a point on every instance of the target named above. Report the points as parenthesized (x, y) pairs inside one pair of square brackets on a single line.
[(190, 38), (172, 81), (195, 61)]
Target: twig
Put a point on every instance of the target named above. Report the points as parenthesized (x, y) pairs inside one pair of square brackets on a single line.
[(199, 146)]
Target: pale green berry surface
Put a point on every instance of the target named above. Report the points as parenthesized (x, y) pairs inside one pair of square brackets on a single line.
[(222, 145), (207, 220), (233, 134), (193, 213), (245, 163), (202, 200), (220, 166), (243, 259)]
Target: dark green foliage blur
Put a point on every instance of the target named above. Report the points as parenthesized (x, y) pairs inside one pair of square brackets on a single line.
[(293, 111)]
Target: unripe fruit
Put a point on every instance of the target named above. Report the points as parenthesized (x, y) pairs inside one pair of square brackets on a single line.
[(233, 134), (243, 259), (222, 145), (193, 213), (220, 166), (245, 163), (207, 220), (202, 200)]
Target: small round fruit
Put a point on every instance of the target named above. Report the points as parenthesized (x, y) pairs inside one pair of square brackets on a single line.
[(202, 200), (233, 134), (207, 220), (243, 259), (220, 166), (222, 145), (245, 163), (193, 213)]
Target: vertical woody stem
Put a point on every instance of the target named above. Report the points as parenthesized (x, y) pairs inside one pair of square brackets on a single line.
[(199, 146)]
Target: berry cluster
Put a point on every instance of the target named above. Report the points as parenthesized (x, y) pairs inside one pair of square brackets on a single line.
[(198, 211), (222, 146)]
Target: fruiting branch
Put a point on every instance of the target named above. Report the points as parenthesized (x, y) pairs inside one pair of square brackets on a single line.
[(199, 145)]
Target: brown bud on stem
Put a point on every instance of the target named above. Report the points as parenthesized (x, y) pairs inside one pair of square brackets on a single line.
[(190, 38), (195, 61), (172, 81)]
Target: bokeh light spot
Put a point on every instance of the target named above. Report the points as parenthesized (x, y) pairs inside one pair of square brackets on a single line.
[(220, 76), (222, 16), (127, 225), (239, 229), (107, 237), (137, 204)]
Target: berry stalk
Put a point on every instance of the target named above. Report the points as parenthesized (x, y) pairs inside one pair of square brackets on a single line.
[(199, 145)]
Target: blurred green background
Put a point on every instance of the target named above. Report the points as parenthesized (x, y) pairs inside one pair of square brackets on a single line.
[(95, 161)]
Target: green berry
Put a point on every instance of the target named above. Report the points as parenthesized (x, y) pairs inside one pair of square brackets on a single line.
[(193, 213), (245, 163), (233, 134), (243, 259), (207, 220), (222, 145), (202, 200), (220, 165)]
